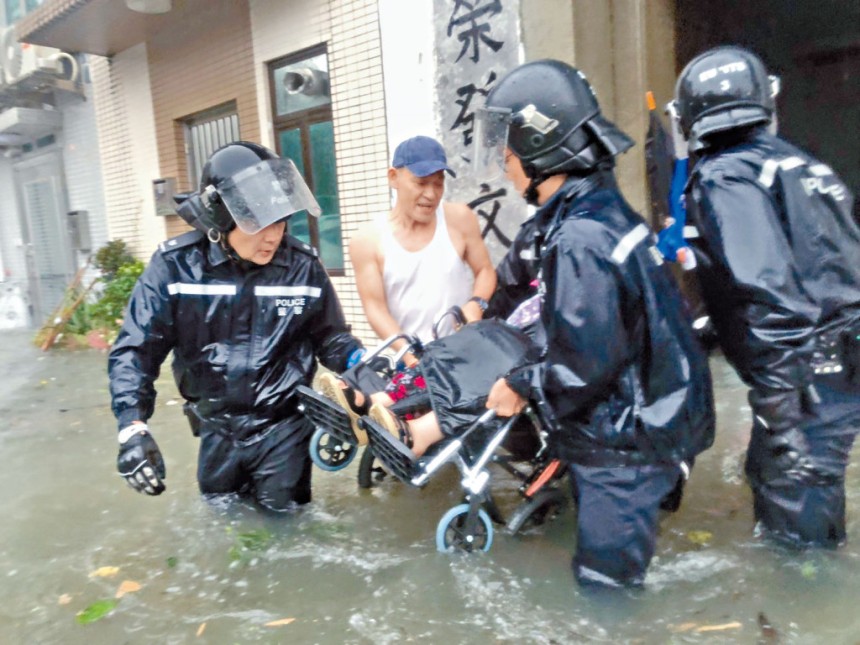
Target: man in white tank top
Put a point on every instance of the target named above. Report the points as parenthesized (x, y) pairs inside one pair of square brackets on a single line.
[(424, 256)]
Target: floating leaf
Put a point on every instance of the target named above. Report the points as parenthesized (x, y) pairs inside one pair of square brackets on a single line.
[(96, 611), (718, 628), (172, 561), (65, 599), (254, 540), (247, 542), (700, 537), (127, 586), (201, 629), (278, 623), (105, 572)]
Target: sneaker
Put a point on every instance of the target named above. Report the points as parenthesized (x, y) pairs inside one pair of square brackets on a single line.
[(394, 425), (330, 387)]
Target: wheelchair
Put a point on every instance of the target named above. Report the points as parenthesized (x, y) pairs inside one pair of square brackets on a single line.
[(487, 441)]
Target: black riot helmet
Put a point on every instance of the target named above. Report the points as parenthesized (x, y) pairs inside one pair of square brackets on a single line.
[(723, 89), (246, 185), (547, 114)]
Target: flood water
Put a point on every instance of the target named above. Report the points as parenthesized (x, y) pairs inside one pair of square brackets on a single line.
[(360, 566)]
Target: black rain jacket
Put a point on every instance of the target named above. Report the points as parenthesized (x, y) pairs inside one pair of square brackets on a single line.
[(515, 272), (243, 336), (778, 256), (623, 373)]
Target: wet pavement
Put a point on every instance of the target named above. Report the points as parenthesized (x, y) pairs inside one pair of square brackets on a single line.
[(360, 566)]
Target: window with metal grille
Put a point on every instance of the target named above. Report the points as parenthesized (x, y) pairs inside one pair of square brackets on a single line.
[(207, 131)]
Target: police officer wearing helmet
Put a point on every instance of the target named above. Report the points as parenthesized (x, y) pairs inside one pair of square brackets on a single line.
[(779, 264), (625, 380), (246, 311)]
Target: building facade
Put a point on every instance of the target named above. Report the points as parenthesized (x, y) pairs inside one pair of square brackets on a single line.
[(335, 85)]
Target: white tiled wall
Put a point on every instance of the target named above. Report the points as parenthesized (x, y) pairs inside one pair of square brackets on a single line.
[(127, 148), (350, 28)]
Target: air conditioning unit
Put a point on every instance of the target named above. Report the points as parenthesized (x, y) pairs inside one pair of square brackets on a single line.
[(20, 60), (21, 124)]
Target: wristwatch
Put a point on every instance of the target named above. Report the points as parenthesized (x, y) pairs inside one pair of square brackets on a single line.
[(483, 304)]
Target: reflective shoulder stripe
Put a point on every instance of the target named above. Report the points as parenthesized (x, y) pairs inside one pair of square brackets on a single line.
[(691, 232), (771, 166), (311, 292), (629, 242), (820, 170), (190, 289)]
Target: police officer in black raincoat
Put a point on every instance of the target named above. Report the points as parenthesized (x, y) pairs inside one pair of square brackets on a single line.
[(246, 311), (516, 273), (624, 377), (779, 265)]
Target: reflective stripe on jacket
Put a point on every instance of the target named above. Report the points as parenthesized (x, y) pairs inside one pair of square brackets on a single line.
[(778, 255), (243, 336), (624, 375)]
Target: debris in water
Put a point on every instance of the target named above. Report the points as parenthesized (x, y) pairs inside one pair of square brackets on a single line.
[(769, 635), (718, 628), (683, 627), (248, 542), (808, 570), (127, 586), (96, 611), (64, 599), (700, 538), (278, 623), (105, 572), (201, 629)]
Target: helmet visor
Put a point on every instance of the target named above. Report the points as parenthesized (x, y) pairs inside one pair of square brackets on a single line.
[(265, 193), (490, 140)]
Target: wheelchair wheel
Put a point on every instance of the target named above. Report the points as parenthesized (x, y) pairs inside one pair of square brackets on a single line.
[(370, 471), (451, 534), (545, 506), (330, 453)]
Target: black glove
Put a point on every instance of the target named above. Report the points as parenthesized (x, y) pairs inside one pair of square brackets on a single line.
[(140, 460), (786, 451)]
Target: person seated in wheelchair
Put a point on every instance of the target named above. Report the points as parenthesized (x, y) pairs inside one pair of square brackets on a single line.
[(446, 391)]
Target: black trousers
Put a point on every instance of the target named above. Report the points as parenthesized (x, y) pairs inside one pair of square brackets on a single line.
[(617, 513), (800, 515), (273, 467)]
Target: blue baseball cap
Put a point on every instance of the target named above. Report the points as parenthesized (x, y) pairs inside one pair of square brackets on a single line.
[(422, 156)]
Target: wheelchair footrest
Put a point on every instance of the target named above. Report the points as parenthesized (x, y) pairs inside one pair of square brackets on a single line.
[(326, 414), (395, 457)]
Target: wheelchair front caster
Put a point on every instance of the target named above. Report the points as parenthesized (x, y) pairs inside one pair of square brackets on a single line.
[(454, 532), (330, 453)]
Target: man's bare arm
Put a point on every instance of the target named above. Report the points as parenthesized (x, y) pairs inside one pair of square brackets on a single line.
[(476, 256)]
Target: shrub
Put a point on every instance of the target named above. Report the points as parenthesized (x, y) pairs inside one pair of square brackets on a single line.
[(107, 311), (111, 257), (100, 319)]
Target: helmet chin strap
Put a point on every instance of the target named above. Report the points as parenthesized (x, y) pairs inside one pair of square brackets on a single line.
[(229, 251), (530, 194)]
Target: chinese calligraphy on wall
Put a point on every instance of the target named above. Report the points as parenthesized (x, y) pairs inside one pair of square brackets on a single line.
[(477, 42)]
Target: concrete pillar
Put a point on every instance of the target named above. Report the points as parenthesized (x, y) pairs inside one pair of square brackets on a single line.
[(625, 48), (547, 29)]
